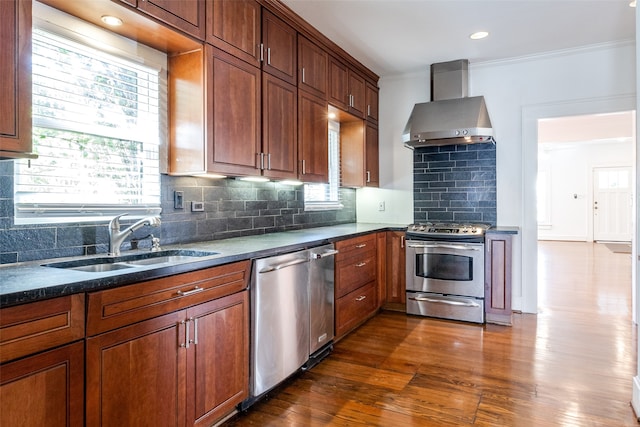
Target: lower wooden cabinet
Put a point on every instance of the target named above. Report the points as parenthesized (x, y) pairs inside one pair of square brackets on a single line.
[(396, 271), (497, 285), (187, 365), (355, 282), (45, 389)]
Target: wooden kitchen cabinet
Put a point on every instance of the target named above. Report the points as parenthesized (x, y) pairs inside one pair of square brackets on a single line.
[(313, 63), (167, 367), (371, 102), (42, 374), (497, 286), (279, 42), (396, 271), (347, 89), (186, 15), (372, 169), (381, 250), (234, 26), (355, 282), (279, 128), (313, 135), (234, 115), (15, 79)]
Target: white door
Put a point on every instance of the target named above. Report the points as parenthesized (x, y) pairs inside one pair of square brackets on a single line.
[(612, 205)]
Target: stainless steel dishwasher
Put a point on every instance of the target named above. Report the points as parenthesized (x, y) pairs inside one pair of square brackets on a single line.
[(292, 315)]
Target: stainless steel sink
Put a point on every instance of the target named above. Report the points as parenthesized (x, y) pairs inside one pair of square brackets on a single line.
[(106, 264)]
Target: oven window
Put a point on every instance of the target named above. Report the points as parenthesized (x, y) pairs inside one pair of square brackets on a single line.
[(444, 267)]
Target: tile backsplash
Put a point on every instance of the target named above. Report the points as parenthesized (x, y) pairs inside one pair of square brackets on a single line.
[(455, 183), (231, 208)]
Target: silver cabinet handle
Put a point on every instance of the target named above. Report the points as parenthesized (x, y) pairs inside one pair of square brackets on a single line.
[(361, 264), (368, 109), (275, 267), (360, 246), (269, 56), (261, 160), (368, 176), (269, 161), (457, 247), (402, 242), (195, 290), (324, 254), (361, 298), (448, 302), (195, 330), (187, 340), (261, 52), (184, 344), (303, 167), (303, 81)]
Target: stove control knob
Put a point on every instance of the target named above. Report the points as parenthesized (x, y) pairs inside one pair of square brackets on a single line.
[(422, 228)]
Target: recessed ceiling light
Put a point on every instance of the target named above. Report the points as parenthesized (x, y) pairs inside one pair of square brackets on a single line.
[(332, 116), (478, 35), (632, 3), (114, 21)]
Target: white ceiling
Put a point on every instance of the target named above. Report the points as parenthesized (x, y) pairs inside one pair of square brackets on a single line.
[(610, 127), (399, 36)]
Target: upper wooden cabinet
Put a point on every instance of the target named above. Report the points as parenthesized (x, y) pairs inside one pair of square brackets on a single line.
[(313, 134), (279, 157), (313, 64), (372, 173), (371, 102), (185, 15), (278, 48), (347, 88), (234, 26), (356, 98), (15, 79)]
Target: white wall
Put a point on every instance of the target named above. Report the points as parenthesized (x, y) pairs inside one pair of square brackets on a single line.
[(570, 167), (517, 92)]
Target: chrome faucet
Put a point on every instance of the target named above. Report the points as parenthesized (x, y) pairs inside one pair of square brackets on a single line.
[(116, 237)]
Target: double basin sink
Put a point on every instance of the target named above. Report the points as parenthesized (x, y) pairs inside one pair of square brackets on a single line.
[(113, 263)]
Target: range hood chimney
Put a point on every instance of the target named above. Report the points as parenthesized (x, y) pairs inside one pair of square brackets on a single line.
[(452, 117)]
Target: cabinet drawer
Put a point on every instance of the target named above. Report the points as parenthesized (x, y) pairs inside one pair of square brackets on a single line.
[(114, 308), (37, 326), (353, 308), (355, 272), (357, 245)]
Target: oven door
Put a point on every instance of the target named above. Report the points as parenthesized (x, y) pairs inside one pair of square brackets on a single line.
[(452, 268)]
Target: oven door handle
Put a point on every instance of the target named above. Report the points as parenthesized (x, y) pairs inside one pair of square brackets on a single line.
[(444, 301), (441, 246)]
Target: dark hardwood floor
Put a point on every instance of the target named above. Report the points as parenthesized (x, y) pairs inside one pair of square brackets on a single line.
[(570, 365)]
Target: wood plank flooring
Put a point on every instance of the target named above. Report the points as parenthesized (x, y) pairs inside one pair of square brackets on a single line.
[(570, 365)]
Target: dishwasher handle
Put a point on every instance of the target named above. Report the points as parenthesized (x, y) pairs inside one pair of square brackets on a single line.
[(328, 253), (291, 263)]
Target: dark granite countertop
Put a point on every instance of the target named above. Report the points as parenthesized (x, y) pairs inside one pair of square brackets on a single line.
[(30, 281)]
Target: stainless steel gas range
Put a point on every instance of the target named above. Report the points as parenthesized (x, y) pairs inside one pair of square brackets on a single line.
[(445, 270)]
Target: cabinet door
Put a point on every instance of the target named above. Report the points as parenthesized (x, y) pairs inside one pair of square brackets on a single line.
[(233, 122), (45, 389), (234, 26), (372, 178), (15, 78), (135, 375), (371, 101), (497, 287), (357, 87), (218, 358), (338, 84), (279, 128), (185, 15), (313, 63), (279, 55), (396, 269), (352, 154), (313, 138)]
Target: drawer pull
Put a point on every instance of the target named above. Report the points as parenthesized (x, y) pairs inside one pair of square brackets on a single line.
[(362, 245), (191, 292), (361, 264), (184, 344), (361, 298)]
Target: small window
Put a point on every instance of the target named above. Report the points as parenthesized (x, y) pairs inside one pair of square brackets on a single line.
[(327, 196), (96, 130)]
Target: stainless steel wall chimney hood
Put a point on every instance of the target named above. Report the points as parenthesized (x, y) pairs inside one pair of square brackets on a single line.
[(451, 117)]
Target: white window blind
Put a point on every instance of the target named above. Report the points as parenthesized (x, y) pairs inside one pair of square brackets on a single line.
[(96, 131), (327, 196)]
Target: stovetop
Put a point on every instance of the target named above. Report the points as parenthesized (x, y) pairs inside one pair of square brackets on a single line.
[(452, 230)]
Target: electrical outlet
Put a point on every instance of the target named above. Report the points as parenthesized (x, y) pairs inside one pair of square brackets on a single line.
[(381, 206), (178, 200), (197, 207)]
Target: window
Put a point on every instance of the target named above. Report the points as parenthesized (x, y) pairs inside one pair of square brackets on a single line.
[(96, 129), (327, 196)]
